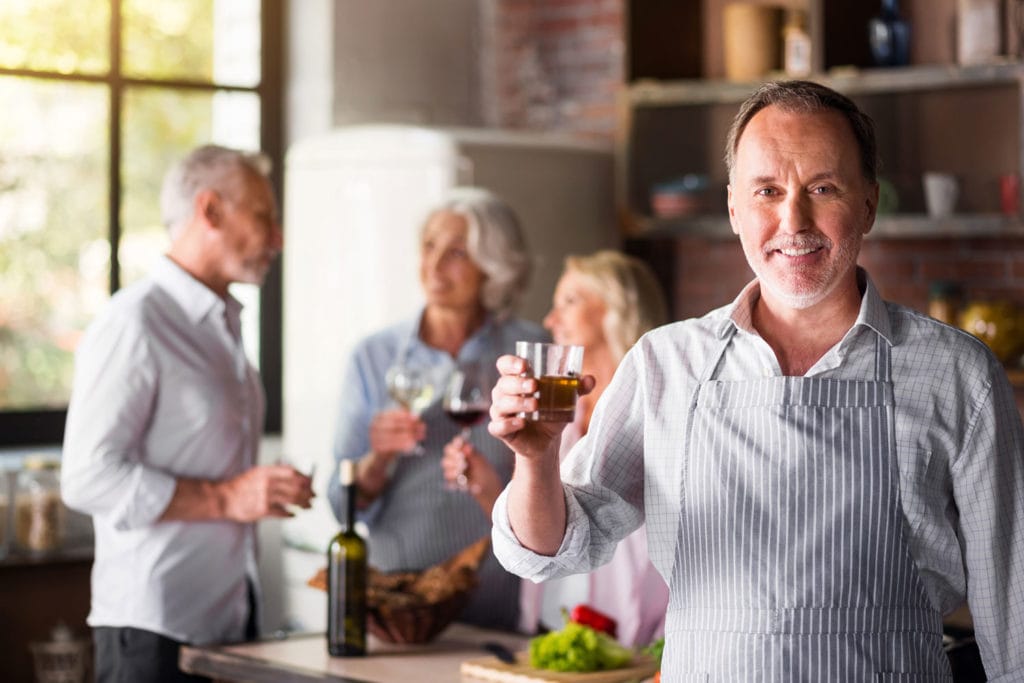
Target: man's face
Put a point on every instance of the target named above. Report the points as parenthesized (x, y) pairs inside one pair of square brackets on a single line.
[(251, 235), (800, 204)]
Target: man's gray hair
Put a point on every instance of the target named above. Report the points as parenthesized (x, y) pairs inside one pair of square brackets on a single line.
[(807, 97), (209, 167), (496, 244)]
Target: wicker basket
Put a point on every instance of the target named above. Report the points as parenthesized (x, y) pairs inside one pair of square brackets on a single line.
[(414, 607), (415, 624)]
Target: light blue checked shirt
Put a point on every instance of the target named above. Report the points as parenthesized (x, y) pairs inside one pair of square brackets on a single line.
[(959, 440)]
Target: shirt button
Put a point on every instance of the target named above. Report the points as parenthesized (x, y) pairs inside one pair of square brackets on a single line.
[(767, 371)]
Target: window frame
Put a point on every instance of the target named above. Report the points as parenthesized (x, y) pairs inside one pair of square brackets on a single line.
[(46, 427)]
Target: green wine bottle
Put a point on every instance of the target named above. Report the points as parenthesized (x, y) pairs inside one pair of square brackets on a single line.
[(346, 579)]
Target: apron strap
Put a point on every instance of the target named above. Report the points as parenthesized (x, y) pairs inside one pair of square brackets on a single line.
[(883, 359), (715, 361)]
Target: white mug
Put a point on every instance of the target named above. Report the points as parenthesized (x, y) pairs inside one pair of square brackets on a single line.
[(940, 193)]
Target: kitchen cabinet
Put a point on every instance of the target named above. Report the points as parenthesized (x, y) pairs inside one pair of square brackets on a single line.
[(36, 594), (929, 116)]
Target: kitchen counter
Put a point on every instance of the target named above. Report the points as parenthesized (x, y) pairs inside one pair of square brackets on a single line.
[(304, 659)]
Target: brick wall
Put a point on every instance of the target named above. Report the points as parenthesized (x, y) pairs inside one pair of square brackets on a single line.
[(710, 274), (557, 65)]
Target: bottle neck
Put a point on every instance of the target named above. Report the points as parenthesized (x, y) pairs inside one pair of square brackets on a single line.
[(348, 524)]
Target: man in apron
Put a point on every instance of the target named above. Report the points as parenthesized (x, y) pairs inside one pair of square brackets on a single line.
[(823, 474)]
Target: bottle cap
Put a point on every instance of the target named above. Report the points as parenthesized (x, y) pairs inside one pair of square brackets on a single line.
[(347, 472)]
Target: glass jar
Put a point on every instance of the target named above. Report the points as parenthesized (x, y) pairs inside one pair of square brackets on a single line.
[(39, 516), (6, 511), (796, 45)]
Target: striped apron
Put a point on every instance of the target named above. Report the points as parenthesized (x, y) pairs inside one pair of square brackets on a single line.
[(792, 561)]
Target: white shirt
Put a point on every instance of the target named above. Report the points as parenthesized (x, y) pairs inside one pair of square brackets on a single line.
[(162, 390), (959, 441)]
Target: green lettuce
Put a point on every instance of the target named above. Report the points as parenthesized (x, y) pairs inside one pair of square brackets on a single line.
[(576, 647)]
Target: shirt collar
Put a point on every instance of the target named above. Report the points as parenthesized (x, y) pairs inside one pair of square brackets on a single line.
[(412, 333), (873, 312), (195, 298)]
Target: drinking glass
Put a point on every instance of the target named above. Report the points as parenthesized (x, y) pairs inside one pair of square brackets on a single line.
[(467, 400), (410, 388), (557, 368)]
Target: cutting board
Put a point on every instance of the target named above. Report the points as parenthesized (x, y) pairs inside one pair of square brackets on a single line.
[(493, 669)]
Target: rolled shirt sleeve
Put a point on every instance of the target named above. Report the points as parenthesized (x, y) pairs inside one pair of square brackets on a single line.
[(571, 557)]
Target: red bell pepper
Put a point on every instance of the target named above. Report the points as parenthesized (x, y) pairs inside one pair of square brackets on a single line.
[(598, 621)]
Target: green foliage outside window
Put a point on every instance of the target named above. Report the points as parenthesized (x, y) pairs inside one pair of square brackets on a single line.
[(55, 151)]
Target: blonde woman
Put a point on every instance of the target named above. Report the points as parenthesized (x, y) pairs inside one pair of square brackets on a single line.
[(603, 302)]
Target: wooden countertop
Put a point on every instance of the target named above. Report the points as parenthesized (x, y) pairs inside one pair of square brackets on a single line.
[(304, 659)]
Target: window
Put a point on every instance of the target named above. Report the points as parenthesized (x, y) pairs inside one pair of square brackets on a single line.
[(100, 97)]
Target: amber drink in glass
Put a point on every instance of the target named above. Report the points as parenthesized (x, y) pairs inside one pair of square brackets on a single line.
[(557, 368)]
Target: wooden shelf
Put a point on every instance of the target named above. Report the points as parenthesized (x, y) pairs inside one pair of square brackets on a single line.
[(651, 149), (648, 93)]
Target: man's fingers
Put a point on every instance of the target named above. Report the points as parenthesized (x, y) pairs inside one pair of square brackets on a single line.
[(502, 427), (511, 365), (509, 406), (278, 511)]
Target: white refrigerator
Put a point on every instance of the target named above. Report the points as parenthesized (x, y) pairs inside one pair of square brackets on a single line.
[(354, 202)]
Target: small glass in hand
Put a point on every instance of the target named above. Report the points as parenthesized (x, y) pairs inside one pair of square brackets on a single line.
[(411, 389), (467, 400)]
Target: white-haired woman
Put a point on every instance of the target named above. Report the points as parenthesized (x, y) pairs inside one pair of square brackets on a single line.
[(603, 302), (474, 266)]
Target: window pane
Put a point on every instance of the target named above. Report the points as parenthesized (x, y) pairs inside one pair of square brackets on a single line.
[(55, 35), (54, 253), (160, 126), (198, 40)]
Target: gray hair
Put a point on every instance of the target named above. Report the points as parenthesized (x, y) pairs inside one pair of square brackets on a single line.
[(496, 244), (209, 167), (807, 97), (633, 298)]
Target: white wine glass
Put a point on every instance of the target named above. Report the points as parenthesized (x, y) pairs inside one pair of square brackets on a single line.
[(410, 388), (467, 400)]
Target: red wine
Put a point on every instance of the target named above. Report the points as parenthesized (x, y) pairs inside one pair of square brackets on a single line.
[(466, 418)]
